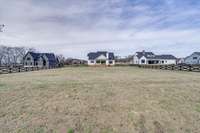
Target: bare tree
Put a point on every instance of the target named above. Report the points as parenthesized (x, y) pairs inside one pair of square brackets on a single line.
[(18, 53), (8, 55), (2, 54), (12, 55), (1, 27)]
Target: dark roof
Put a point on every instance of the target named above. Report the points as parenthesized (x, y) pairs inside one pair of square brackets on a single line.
[(145, 54), (94, 55), (51, 57), (35, 56), (198, 53), (164, 57)]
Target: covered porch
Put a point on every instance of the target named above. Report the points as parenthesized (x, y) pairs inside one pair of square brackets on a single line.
[(101, 62), (153, 62)]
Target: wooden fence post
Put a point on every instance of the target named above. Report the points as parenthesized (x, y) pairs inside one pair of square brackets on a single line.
[(190, 68), (172, 67), (180, 68), (10, 70)]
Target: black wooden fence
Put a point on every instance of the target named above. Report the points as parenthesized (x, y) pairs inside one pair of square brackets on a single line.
[(7, 70), (182, 67)]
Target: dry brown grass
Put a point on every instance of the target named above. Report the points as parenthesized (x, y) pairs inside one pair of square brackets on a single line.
[(100, 100)]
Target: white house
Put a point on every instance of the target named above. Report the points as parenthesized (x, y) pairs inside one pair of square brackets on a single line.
[(194, 58), (101, 58), (150, 58)]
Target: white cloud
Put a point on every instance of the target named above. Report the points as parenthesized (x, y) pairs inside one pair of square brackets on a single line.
[(74, 28)]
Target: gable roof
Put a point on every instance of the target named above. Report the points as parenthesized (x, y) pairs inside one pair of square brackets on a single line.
[(145, 54), (35, 56), (198, 53), (195, 53), (51, 57), (94, 55)]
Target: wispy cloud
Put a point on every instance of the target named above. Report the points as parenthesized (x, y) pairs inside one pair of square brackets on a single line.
[(74, 28)]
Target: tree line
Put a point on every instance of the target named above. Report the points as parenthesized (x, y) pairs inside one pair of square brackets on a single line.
[(11, 56)]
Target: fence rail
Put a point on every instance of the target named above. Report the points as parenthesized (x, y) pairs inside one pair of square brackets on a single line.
[(189, 68), (7, 70)]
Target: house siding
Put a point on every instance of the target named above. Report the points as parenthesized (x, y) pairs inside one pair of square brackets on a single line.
[(27, 62), (47, 61), (135, 60), (91, 62), (191, 60)]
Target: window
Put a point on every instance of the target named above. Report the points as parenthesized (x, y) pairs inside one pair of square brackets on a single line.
[(163, 62), (110, 62), (28, 58), (92, 61), (195, 58), (143, 61)]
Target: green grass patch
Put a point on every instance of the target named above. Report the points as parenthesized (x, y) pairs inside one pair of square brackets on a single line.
[(3, 86), (197, 108), (70, 130)]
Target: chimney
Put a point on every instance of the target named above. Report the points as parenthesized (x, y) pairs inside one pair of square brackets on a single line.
[(143, 52), (107, 55)]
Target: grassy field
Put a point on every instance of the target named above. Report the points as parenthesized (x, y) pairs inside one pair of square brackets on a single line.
[(100, 100)]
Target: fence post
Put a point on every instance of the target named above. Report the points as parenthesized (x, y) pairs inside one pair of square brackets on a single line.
[(10, 70), (172, 67), (180, 68), (190, 68)]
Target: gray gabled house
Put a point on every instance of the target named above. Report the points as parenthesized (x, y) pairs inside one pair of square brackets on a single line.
[(194, 58), (47, 60)]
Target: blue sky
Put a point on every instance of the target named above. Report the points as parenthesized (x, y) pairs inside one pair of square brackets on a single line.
[(76, 27)]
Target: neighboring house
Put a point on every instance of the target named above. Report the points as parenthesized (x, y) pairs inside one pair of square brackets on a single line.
[(47, 60), (124, 60), (150, 58), (71, 61), (193, 58), (101, 58), (180, 61)]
